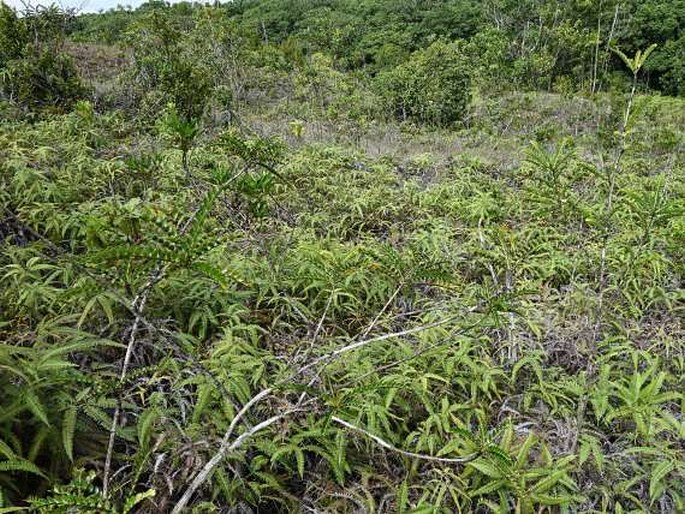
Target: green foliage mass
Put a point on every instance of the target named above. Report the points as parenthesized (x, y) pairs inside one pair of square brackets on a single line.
[(550, 45), (432, 86), (294, 259), (162, 65), (35, 72)]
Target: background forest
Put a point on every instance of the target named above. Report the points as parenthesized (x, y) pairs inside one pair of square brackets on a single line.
[(373, 256)]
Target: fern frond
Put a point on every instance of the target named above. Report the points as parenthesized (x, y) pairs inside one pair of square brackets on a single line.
[(21, 465)]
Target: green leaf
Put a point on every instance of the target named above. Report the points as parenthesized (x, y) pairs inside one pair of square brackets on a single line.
[(524, 451), (21, 465), (68, 429), (211, 272), (546, 499), (34, 405), (6, 450), (659, 472), (403, 497), (490, 487), (548, 483), (135, 500), (486, 468), (299, 456)]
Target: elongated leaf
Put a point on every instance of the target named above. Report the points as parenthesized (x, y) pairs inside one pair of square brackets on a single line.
[(135, 500), (68, 430), (34, 405), (21, 465), (487, 468), (658, 474)]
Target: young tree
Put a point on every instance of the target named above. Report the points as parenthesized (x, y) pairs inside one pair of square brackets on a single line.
[(433, 86), (35, 72)]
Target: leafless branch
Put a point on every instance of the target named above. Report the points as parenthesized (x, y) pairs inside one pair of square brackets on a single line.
[(388, 446), (225, 449)]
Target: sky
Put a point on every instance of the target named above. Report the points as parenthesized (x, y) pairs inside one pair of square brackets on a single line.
[(81, 5)]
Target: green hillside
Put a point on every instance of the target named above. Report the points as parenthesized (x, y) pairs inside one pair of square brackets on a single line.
[(343, 257)]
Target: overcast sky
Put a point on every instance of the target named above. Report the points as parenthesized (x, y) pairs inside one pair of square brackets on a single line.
[(82, 5)]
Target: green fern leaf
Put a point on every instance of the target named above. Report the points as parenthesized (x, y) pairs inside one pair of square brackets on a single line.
[(658, 474), (68, 430), (135, 500), (6, 450), (21, 465), (35, 406), (486, 468)]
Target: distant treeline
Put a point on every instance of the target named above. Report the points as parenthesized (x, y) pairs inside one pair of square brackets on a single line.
[(531, 44)]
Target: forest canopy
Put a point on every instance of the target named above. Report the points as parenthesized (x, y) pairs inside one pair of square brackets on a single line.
[(539, 44)]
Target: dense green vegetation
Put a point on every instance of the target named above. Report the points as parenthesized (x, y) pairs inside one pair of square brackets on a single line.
[(532, 44), (381, 257)]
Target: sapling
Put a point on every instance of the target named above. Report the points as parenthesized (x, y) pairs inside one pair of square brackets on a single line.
[(183, 131)]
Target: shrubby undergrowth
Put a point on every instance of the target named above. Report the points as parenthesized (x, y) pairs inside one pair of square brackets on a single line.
[(244, 286), (35, 71)]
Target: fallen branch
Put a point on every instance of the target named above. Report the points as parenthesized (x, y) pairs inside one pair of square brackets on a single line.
[(388, 446), (137, 306), (360, 344), (225, 449)]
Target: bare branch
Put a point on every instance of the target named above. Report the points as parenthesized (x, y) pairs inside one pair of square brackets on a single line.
[(225, 448), (254, 400), (137, 306), (382, 311), (360, 344), (388, 446)]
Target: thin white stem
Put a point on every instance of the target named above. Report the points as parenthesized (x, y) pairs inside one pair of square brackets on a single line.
[(388, 446), (321, 320), (254, 400), (382, 311), (360, 344), (138, 306), (225, 448)]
